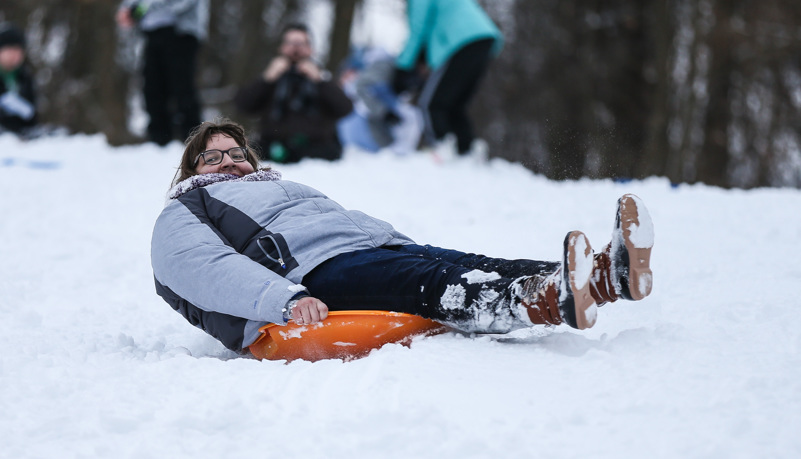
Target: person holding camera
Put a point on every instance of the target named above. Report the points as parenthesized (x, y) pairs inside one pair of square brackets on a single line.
[(298, 106)]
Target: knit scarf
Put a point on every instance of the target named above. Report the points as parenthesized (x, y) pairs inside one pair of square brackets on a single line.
[(199, 181)]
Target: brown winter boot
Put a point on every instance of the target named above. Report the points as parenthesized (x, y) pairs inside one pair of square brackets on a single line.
[(563, 296), (622, 268)]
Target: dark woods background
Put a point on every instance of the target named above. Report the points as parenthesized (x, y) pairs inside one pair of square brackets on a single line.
[(694, 90)]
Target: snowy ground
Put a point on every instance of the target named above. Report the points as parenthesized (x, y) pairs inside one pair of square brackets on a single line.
[(94, 364)]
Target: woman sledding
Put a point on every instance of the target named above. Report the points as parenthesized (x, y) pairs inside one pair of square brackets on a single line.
[(236, 248)]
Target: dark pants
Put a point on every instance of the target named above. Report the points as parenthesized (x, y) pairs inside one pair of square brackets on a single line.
[(330, 150), (169, 86), (297, 148), (428, 281), (450, 88)]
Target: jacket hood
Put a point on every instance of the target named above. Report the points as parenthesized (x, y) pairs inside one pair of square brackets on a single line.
[(199, 181)]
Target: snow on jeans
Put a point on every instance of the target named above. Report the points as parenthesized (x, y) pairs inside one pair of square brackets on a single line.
[(468, 292)]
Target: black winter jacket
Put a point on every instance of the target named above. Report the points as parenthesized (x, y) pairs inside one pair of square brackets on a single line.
[(26, 89)]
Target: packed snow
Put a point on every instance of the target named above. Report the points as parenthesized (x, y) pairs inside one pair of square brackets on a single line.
[(94, 364), (642, 234), (477, 276), (453, 298), (584, 261)]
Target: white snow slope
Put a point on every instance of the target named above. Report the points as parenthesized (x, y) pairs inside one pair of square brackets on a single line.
[(94, 364)]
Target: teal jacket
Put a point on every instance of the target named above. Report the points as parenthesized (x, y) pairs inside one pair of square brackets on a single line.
[(442, 27)]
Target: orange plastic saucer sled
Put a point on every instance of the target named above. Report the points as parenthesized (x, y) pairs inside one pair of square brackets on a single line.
[(343, 335)]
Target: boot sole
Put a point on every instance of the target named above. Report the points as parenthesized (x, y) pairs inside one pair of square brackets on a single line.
[(575, 302), (636, 240)]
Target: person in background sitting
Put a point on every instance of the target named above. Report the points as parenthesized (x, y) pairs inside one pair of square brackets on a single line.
[(297, 104), (17, 92)]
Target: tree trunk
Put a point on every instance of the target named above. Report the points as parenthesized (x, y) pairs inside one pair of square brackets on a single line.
[(656, 147), (340, 32), (713, 160)]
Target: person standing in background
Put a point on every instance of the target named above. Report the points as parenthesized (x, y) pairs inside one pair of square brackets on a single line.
[(457, 40), (17, 91), (173, 31), (298, 106)]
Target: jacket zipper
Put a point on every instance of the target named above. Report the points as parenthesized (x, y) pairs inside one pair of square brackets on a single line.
[(280, 259)]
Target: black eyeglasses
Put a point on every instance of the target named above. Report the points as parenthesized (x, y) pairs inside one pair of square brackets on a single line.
[(214, 157)]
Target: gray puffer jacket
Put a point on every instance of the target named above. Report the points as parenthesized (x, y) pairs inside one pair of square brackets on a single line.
[(229, 253)]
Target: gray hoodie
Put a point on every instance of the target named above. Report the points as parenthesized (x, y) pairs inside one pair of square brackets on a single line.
[(188, 16)]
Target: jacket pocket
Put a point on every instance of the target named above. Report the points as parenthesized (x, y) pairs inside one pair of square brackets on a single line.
[(277, 256)]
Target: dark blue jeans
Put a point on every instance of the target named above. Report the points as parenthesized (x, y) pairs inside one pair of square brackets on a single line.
[(466, 291)]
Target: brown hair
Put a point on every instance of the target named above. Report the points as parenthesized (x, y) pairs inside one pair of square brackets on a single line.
[(199, 138), (297, 27)]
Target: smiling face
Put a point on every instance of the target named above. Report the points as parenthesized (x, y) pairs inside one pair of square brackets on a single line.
[(227, 166)]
